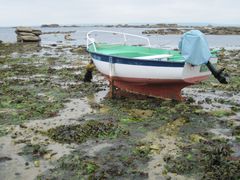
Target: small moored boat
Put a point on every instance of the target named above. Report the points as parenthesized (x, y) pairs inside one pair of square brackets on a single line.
[(146, 70)]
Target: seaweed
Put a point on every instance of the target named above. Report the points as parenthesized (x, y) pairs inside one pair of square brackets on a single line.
[(120, 162), (207, 159), (80, 133), (34, 151)]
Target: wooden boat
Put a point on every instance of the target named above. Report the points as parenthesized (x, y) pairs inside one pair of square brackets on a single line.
[(145, 70)]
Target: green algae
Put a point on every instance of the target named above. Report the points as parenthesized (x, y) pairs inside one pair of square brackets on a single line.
[(34, 151), (142, 150), (127, 160), (22, 103), (30, 88), (130, 120), (9, 48), (222, 113), (236, 131), (207, 159), (162, 112), (74, 166), (80, 133), (119, 162), (3, 130)]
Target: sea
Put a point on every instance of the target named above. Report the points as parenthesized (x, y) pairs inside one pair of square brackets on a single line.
[(7, 34)]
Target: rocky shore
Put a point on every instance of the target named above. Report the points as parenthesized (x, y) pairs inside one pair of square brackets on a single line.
[(27, 34), (164, 29), (55, 126), (59, 32), (162, 25), (208, 30), (57, 26), (50, 25)]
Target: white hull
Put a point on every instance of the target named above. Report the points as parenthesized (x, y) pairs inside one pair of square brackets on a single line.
[(149, 72)]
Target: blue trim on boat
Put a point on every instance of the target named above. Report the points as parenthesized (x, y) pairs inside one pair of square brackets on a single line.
[(139, 62)]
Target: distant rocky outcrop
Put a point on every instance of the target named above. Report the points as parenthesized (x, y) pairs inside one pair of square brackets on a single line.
[(140, 26), (27, 34), (50, 25), (209, 30), (164, 31), (59, 32), (221, 30)]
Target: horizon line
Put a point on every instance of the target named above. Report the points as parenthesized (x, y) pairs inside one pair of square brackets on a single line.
[(132, 23)]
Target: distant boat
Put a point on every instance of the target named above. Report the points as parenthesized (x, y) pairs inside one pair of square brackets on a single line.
[(145, 70)]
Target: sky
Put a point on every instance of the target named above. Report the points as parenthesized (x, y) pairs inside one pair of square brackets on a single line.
[(68, 12)]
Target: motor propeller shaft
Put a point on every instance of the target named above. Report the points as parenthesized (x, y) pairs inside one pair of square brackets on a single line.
[(218, 74)]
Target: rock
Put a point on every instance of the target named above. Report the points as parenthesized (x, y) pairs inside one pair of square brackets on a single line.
[(14, 136), (1, 41), (37, 32), (164, 31), (17, 174), (5, 158), (30, 38), (78, 50), (27, 34), (59, 32), (23, 126), (50, 25), (24, 34), (24, 29)]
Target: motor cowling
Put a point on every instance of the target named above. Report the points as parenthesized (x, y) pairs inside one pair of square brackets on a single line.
[(195, 50)]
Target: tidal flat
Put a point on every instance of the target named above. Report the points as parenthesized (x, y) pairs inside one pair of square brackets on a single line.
[(55, 126)]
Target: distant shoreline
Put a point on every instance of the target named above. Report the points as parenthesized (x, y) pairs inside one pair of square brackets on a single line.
[(161, 29)]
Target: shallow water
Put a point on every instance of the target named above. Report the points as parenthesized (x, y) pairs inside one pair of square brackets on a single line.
[(200, 95), (164, 41)]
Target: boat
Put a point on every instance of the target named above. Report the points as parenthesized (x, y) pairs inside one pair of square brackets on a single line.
[(144, 69)]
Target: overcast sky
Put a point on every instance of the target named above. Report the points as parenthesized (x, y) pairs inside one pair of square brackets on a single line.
[(37, 12)]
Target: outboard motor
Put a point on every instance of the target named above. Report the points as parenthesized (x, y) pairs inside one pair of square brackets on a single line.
[(194, 48)]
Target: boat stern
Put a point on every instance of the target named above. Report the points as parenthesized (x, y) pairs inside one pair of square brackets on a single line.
[(195, 74)]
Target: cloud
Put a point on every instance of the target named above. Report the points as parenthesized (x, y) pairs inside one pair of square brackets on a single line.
[(35, 12)]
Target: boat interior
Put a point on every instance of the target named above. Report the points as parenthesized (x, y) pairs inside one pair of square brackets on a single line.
[(137, 52)]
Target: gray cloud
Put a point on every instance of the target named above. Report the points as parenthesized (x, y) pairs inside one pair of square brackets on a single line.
[(35, 12)]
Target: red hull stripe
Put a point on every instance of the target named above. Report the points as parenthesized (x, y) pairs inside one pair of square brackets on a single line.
[(144, 81)]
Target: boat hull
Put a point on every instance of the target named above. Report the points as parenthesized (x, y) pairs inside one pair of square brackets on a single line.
[(152, 78)]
